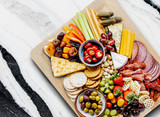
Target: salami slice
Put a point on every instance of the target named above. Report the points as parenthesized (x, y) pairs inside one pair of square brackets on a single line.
[(142, 53), (149, 61), (154, 68), (156, 75), (134, 52)]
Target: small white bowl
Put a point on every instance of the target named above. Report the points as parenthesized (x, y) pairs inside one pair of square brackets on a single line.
[(78, 104)]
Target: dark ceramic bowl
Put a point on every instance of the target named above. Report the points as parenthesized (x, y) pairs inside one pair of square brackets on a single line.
[(82, 49), (78, 104)]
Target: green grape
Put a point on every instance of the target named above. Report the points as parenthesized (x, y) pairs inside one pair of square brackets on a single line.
[(107, 112), (113, 112)]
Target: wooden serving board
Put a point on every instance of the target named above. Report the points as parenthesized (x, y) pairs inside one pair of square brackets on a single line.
[(43, 62)]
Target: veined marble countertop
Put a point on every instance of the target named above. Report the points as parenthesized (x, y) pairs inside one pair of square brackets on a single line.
[(25, 23)]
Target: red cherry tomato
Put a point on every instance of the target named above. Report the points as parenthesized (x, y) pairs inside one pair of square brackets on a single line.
[(88, 45), (119, 97), (125, 103), (99, 54), (109, 104), (91, 51), (85, 53), (95, 47), (95, 59), (88, 58)]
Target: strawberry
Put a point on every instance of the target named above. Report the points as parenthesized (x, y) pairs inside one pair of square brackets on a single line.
[(117, 91), (118, 81), (130, 96)]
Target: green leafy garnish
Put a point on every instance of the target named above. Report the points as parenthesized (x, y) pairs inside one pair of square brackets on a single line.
[(131, 98)]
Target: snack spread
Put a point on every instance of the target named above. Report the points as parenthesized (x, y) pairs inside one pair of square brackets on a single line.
[(127, 74)]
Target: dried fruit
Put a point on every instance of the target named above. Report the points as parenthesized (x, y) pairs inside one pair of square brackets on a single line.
[(73, 51), (56, 42), (60, 36)]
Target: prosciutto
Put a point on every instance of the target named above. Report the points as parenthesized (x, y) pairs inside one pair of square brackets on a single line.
[(129, 73), (154, 85)]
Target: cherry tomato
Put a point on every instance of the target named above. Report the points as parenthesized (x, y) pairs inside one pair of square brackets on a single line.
[(88, 45), (88, 58), (120, 102), (109, 104), (119, 97), (125, 103), (85, 53), (95, 59), (99, 54), (95, 47), (91, 51), (110, 96), (113, 100)]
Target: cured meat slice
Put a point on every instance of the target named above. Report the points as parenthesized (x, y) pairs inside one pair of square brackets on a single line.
[(156, 75), (129, 73), (134, 52), (149, 61), (152, 85), (139, 77), (147, 76), (142, 53), (154, 67), (134, 66), (143, 88)]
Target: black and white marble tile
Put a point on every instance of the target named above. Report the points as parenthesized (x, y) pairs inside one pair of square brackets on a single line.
[(25, 23)]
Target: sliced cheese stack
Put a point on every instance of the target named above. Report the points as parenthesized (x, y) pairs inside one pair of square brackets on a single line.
[(127, 41), (73, 84), (116, 30), (63, 67), (118, 60)]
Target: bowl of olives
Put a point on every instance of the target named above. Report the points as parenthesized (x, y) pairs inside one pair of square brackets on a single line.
[(90, 103)]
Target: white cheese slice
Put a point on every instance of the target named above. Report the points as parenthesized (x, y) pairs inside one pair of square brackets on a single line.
[(116, 30), (118, 60)]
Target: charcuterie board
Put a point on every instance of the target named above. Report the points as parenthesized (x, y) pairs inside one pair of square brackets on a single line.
[(44, 63)]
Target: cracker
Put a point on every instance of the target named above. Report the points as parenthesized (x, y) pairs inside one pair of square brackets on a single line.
[(74, 92), (94, 85), (91, 72), (71, 96), (67, 84), (99, 75), (90, 82), (78, 79), (71, 90)]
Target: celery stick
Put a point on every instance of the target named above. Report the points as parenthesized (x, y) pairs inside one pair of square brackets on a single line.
[(87, 25), (77, 23), (84, 30)]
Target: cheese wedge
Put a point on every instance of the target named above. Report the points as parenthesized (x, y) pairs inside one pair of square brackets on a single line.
[(116, 30), (63, 67), (118, 60)]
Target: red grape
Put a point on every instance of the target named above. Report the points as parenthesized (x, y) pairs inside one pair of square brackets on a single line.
[(103, 41), (110, 35), (109, 47), (111, 42), (103, 36)]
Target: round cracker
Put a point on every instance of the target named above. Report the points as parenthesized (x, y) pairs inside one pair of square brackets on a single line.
[(67, 84), (71, 90), (71, 96), (94, 85), (91, 72), (78, 79), (74, 92), (89, 82), (99, 76)]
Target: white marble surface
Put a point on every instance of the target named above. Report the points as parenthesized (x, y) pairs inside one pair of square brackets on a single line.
[(25, 23)]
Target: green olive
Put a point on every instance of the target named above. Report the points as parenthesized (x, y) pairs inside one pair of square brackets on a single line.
[(86, 110), (94, 93), (111, 87), (102, 89), (107, 79), (91, 112), (93, 97), (111, 82), (94, 105), (97, 98), (97, 111), (88, 104), (90, 97), (100, 107), (100, 102), (81, 99), (102, 83)]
